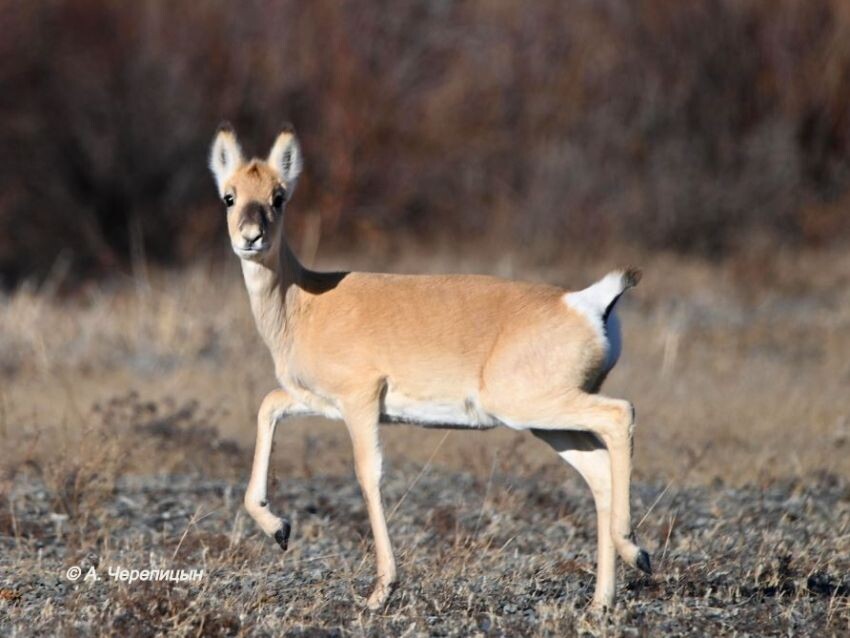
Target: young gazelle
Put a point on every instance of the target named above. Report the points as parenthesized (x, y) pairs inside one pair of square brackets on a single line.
[(458, 351)]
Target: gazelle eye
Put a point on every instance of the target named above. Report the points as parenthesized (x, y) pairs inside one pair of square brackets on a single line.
[(228, 200), (278, 199)]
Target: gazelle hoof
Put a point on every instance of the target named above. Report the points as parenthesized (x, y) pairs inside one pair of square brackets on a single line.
[(282, 535), (600, 606), (642, 562), (379, 596)]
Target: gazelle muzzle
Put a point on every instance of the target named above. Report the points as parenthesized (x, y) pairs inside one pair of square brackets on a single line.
[(253, 226)]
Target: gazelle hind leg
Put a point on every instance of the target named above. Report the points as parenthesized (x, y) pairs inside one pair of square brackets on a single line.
[(362, 425), (612, 420), (588, 455), (276, 406)]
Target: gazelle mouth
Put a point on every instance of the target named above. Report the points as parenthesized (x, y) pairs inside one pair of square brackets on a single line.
[(251, 251)]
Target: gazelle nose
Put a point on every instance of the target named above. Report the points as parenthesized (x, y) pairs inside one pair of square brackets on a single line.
[(252, 234), (252, 223)]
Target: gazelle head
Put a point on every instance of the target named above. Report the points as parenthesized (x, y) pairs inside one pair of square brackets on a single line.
[(255, 191)]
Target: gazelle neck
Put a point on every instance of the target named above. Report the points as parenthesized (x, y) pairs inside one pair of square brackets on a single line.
[(275, 285), (269, 285)]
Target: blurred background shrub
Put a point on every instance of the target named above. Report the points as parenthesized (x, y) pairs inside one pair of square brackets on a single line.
[(692, 126)]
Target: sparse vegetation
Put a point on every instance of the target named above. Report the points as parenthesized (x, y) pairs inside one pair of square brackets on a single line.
[(127, 418)]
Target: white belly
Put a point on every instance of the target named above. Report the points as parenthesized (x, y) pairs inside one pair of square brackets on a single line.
[(398, 408)]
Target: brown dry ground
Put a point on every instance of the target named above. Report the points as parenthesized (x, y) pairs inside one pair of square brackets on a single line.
[(127, 416)]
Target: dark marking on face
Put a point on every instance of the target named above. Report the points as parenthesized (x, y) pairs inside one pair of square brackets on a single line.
[(255, 213)]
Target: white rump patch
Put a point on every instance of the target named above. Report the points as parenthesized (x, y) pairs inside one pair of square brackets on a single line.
[(591, 303), (595, 299)]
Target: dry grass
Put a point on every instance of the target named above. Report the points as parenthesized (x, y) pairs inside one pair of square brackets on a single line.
[(127, 419)]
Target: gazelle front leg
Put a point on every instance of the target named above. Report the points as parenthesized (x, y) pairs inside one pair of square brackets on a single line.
[(277, 405), (362, 422)]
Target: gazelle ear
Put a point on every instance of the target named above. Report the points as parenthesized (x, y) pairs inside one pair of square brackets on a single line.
[(285, 157), (225, 155)]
